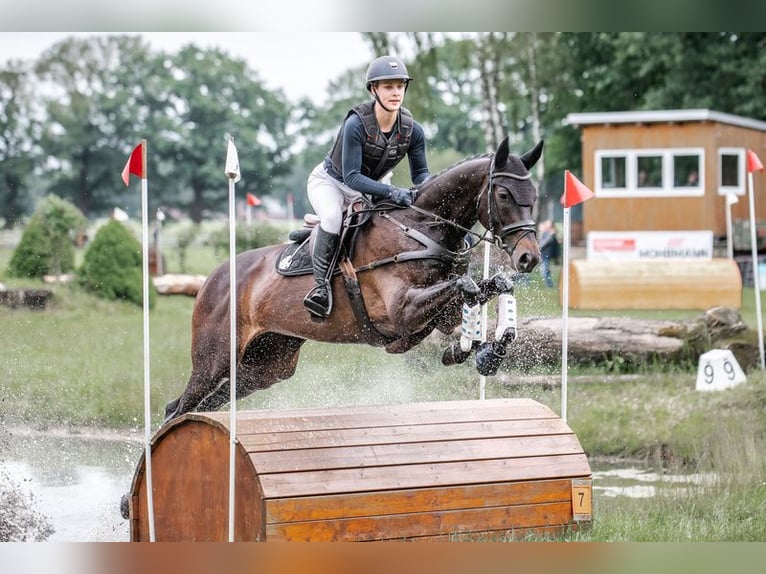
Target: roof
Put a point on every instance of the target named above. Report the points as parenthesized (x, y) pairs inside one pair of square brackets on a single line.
[(663, 116)]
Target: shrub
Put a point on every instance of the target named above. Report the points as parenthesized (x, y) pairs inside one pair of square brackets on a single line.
[(47, 245), (112, 265), (31, 256)]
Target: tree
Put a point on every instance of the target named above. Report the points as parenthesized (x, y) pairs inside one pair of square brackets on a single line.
[(94, 96), (18, 130), (211, 95)]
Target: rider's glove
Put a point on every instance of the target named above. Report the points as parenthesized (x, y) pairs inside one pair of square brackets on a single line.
[(401, 196)]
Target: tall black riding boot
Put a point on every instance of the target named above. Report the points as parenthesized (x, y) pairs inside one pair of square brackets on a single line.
[(319, 299)]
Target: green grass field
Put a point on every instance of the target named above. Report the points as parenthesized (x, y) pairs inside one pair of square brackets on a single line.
[(80, 362)]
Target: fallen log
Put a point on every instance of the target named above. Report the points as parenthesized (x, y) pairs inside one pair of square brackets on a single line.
[(178, 284), (622, 344), (31, 298)]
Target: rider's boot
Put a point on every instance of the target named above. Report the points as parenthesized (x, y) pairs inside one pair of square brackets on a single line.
[(319, 299)]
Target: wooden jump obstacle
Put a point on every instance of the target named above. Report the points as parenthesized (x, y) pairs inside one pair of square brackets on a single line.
[(654, 284), (500, 467)]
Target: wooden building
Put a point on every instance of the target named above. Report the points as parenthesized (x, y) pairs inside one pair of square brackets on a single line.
[(667, 170)]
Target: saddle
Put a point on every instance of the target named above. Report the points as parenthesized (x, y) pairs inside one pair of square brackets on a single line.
[(295, 258)]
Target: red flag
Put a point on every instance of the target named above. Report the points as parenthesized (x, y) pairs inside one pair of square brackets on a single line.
[(252, 200), (575, 191), (135, 164), (753, 162)]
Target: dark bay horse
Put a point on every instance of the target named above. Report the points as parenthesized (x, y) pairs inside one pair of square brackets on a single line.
[(405, 277)]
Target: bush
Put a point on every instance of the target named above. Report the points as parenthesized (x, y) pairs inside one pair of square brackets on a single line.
[(112, 265), (31, 256), (47, 245)]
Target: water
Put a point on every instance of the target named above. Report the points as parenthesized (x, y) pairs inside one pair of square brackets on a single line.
[(73, 481), (635, 482), (76, 481)]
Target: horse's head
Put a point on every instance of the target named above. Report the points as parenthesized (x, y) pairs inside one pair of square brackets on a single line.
[(506, 207)]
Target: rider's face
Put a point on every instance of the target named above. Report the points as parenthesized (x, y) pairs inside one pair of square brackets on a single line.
[(391, 92)]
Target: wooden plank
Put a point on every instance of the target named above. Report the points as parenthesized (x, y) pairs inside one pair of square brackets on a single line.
[(264, 442), (538, 533), (417, 500), (404, 526), (422, 475), (413, 453), (383, 415)]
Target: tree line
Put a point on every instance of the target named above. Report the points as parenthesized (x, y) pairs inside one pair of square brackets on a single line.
[(69, 119)]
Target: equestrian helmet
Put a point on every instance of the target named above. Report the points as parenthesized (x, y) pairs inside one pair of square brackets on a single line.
[(387, 68)]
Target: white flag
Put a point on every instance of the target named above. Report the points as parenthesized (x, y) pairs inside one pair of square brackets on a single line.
[(232, 162), (731, 198)]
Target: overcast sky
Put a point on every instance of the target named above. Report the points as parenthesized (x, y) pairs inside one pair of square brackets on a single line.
[(301, 63)]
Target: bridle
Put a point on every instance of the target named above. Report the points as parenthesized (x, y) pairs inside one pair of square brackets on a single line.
[(525, 225)]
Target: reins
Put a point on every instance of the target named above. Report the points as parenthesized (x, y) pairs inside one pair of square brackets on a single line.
[(433, 250)]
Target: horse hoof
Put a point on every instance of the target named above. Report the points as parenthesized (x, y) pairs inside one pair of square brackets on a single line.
[(454, 355), (124, 506), (488, 358)]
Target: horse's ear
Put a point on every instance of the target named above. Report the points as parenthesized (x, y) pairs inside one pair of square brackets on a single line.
[(530, 158), (501, 155)]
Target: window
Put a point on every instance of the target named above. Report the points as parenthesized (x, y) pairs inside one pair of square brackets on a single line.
[(675, 172), (649, 171), (686, 170), (613, 172), (731, 171)]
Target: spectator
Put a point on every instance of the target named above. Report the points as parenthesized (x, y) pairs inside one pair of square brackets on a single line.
[(549, 249)]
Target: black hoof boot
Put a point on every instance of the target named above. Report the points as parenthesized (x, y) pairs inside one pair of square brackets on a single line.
[(454, 355), (488, 358)]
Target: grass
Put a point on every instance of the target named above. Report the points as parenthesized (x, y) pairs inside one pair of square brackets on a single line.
[(80, 363)]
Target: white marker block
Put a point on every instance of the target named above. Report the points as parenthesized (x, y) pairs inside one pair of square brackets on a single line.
[(718, 370)]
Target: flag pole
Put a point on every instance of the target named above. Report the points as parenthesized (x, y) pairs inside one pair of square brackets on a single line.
[(147, 362), (574, 192), (731, 199), (565, 315), (232, 173), (756, 271), (485, 275)]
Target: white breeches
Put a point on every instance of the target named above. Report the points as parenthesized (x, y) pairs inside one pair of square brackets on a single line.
[(329, 198)]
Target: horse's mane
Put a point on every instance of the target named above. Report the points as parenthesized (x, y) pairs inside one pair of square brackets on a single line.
[(458, 164)]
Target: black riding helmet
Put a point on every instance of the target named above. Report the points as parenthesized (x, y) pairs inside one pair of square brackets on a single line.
[(387, 68)]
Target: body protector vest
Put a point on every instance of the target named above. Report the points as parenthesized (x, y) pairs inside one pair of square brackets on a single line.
[(380, 154)]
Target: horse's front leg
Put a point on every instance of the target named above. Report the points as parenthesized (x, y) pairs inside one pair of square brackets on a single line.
[(488, 289), (488, 354), (418, 310)]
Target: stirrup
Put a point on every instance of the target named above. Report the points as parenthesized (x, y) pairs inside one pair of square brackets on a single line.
[(316, 308)]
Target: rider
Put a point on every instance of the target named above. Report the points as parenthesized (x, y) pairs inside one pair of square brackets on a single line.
[(374, 137)]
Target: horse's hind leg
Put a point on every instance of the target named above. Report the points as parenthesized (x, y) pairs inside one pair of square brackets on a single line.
[(268, 359), (196, 392)]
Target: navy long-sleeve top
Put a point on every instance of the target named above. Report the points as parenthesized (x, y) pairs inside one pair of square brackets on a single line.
[(353, 138)]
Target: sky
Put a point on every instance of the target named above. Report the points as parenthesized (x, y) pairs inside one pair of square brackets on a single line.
[(301, 63)]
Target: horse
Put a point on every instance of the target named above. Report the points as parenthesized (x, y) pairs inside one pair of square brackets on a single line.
[(404, 275)]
